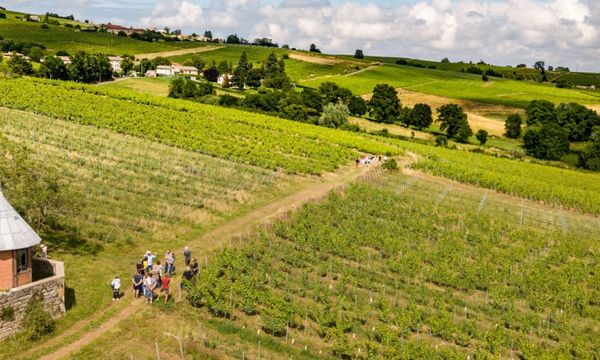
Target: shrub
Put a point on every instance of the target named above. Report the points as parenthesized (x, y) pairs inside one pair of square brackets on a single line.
[(390, 165), (44, 26), (441, 140), (7, 313), (37, 321)]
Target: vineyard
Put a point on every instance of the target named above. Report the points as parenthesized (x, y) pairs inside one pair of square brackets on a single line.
[(133, 194), (216, 131), (563, 187), (458, 86), (401, 268)]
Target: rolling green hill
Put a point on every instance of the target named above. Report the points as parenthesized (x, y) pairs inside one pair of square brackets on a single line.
[(71, 39), (458, 85)]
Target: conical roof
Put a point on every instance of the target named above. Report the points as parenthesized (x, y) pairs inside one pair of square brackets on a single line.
[(15, 233)]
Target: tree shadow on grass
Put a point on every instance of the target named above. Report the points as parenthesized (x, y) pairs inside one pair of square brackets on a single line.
[(66, 239)]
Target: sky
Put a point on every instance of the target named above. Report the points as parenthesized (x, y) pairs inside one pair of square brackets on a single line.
[(503, 32)]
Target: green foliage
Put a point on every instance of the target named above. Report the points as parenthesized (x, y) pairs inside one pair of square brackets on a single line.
[(441, 140), (240, 73), (183, 88), (89, 68), (390, 165), (19, 65), (357, 106), (54, 68), (578, 120), (481, 136), (590, 155), (541, 112), (127, 64), (333, 93), (37, 322), (453, 120), (420, 116), (384, 105), (548, 141), (35, 192), (334, 115), (7, 313), (358, 54), (512, 126)]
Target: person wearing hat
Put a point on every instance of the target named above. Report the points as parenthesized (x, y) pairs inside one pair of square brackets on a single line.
[(187, 254)]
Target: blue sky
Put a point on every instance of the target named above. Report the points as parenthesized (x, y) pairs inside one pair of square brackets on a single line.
[(561, 32)]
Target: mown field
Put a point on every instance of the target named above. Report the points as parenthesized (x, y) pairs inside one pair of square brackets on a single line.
[(395, 267), (458, 86), (133, 195), (72, 40)]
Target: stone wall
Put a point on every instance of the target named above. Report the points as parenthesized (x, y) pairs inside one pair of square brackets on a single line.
[(52, 287)]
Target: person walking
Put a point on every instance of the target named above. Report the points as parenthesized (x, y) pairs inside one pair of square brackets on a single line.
[(116, 286), (164, 287), (149, 285), (187, 254), (138, 283)]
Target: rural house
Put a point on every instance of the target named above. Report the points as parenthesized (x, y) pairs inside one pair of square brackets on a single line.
[(185, 70), (22, 275), (115, 29), (165, 70), (65, 59)]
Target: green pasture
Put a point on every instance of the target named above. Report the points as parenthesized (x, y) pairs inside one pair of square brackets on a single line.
[(458, 86)]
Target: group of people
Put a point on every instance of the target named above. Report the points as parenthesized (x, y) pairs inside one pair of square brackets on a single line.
[(150, 275), (368, 160)]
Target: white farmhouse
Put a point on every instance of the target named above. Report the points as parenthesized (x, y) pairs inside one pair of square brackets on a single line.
[(65, 59), (185, 70), (165, 70)]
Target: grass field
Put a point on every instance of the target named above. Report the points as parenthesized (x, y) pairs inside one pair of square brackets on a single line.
[(296, 69), (158, 86), (135, 195), (70, 39), (458, 86), (398, 267)]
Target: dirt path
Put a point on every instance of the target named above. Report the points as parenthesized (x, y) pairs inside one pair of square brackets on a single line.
[(320, 60), (177, 52), (314, 190), (88, 337)]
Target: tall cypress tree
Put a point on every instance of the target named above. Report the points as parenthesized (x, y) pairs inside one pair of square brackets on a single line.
[(240, 74)]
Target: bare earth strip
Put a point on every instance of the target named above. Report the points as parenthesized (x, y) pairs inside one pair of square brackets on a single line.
[(320, 60), (178, 52), (215, 239)]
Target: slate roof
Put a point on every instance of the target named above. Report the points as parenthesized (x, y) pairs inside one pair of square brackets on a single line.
[(15, 233)]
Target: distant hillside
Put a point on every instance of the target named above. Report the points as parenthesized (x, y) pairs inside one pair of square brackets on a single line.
[(72, 36)]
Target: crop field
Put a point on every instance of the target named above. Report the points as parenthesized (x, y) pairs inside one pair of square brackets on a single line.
[(69, 39), (134, 195), (226, 133), (398, 268), (562, 187), (459, 86)]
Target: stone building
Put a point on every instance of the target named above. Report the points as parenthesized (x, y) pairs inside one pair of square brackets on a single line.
[(23, 276)]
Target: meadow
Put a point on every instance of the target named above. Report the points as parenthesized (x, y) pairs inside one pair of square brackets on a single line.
[(394, 267), (58, 37), (458, 86)]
